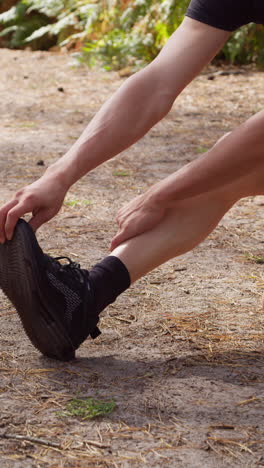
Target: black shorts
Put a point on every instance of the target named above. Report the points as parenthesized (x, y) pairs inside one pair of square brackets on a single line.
[(227, 14)]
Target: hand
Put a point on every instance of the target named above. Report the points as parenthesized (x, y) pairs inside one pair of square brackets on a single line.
[(136, 217), (43, 199)]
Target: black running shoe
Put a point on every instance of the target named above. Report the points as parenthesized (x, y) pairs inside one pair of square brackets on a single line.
[(54, 301)]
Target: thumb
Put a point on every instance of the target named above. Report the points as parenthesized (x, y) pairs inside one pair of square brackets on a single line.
[(38, 219), (120, 237)]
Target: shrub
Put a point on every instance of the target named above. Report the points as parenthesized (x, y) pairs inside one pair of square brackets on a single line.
[(115, 33)]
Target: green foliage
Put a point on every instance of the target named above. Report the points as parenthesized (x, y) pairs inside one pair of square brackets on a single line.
[(76, 202), (18, 25), (115, 33), (42, 23), (88, 408), (74, 19), (133, 35), (246, 45), (51, 8)]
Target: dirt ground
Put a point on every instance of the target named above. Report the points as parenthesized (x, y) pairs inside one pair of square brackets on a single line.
[(181, 353)]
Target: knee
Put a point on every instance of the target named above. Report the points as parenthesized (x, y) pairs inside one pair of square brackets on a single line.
[(223, 137), (254, 127)]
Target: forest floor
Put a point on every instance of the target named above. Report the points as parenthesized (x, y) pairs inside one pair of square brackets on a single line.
[(181, 352)]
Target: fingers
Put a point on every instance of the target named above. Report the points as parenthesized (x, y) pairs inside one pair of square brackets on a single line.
[(123, 235), (40, 218), (3, 215), (11, 212), (13, 216), (117, 240)]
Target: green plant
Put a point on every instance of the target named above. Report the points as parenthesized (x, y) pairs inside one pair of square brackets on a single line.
[(115, 33), (88, 408), (201, 149), (255, 259), (75, 202), (133, 35), (43, 23), (74, 19), (246, 45), (121, 173), (17, 24)]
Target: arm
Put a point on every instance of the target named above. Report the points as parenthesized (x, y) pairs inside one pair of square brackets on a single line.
[(234, 157), (140, 103), (143, 100)]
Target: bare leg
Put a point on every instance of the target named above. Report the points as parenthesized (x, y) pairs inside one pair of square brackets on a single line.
[(187, 224)]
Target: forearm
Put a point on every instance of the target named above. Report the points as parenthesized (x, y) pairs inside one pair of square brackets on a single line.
[(142, 100), (137, 105), (233, 157)]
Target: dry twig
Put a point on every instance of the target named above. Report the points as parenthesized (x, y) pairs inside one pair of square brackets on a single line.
[(57, 445)]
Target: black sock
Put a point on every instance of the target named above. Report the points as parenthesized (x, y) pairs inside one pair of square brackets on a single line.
[(109, 278)]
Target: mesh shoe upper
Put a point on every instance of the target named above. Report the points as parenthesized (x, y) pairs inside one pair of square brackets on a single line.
[(74, 298)]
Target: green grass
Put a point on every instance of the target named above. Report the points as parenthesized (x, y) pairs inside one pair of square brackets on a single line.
[(201, 149), (75, 202), (256, 259), (88, 408), (27, 124), (121, 173)]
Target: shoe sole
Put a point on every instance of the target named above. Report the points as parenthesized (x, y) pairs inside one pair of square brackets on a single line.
[(22, 278)]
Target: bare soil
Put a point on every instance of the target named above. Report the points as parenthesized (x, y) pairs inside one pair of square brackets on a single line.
[(181, 353)]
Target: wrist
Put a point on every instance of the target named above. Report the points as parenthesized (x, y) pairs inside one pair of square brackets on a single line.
[(59, 175), (160, 193), (156, 197), (175, 187)]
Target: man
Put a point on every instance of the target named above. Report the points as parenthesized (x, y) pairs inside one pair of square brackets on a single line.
[(59, 305)]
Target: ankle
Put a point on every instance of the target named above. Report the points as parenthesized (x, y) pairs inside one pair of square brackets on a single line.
[(109, 279)]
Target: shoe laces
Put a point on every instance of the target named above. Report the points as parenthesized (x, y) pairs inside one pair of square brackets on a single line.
[(71, 266)]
